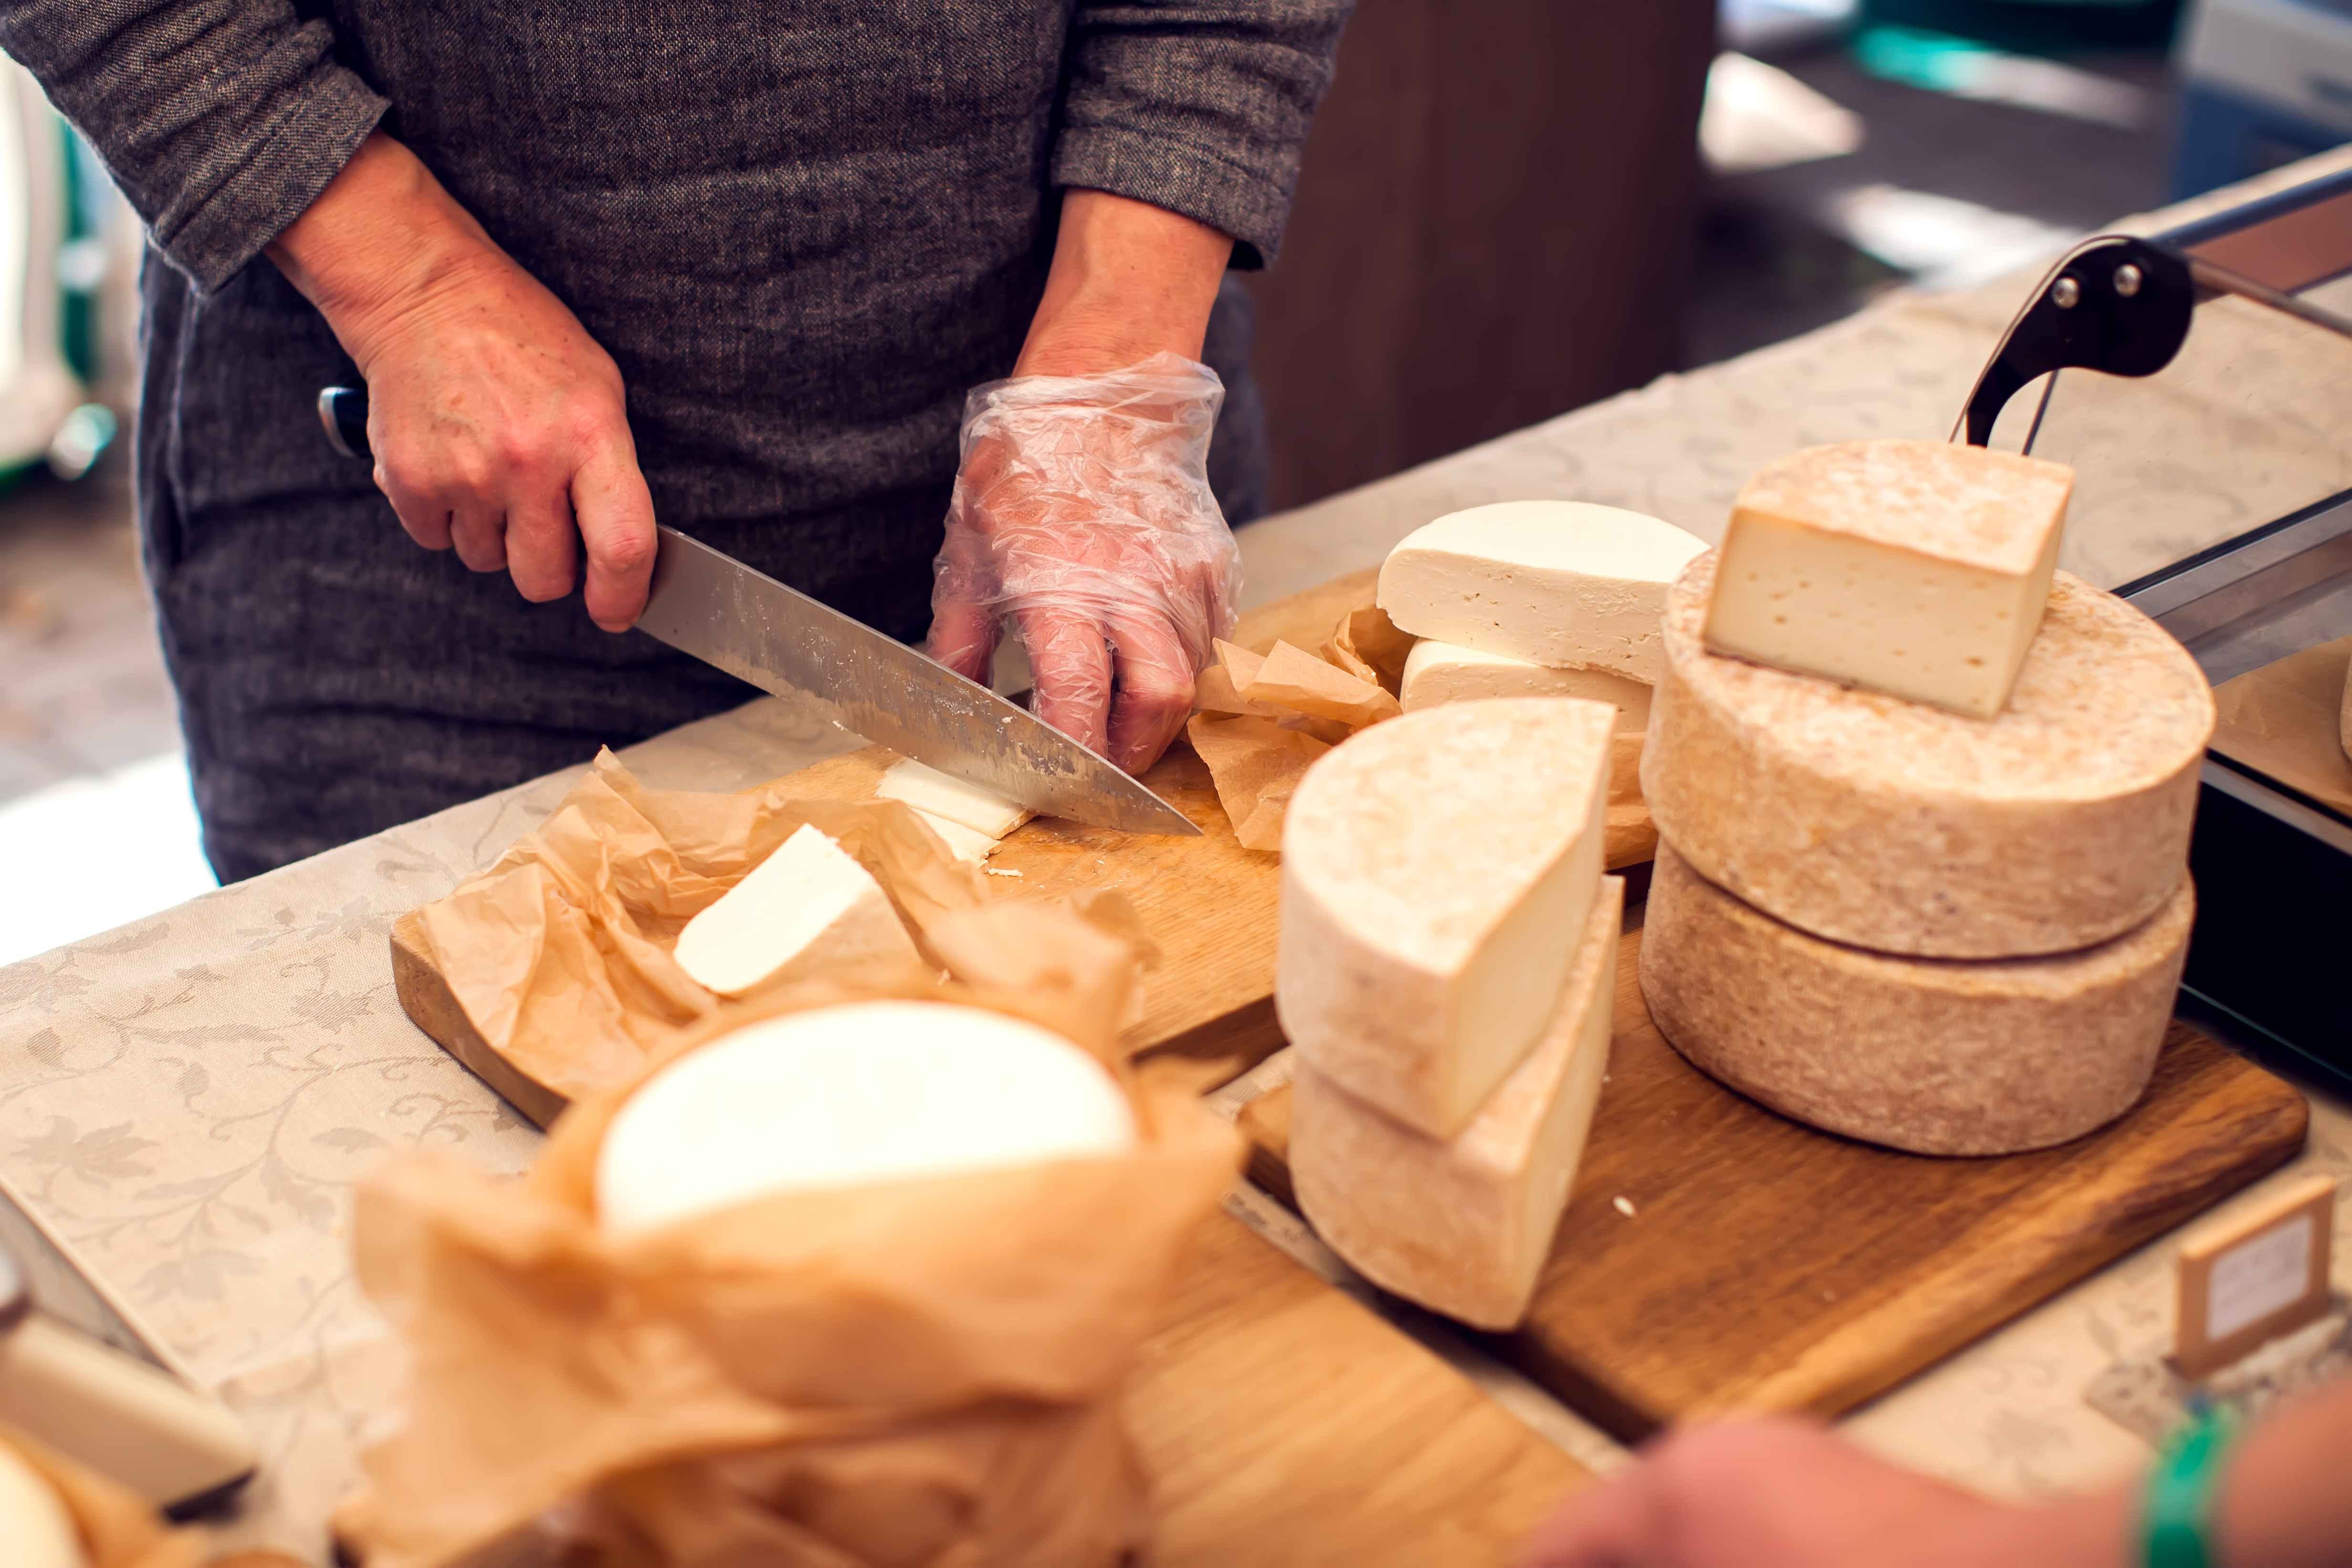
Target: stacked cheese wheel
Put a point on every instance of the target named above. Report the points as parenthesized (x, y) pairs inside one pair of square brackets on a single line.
[(1950, 920), (1447, 972)]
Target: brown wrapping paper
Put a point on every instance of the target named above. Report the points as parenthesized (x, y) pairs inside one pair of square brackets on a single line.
[(917, 1373), (118, 1528), (2286, 719)]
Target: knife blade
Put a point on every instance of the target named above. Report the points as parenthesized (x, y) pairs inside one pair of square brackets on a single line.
[(706, 603)]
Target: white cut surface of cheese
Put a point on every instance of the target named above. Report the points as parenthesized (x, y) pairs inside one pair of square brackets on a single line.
[(1936, 1056), (36, 1531), (1462, 1226), (1564, 583), (850, 1096), (1916, 568), (935, 794), (808, 908), (967, 844), (1887, 823), (1436, 873), (1437, 672)]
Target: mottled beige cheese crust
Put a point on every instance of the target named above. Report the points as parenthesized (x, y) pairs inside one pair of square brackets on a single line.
[(1966, 505), (1866, 819), (1934, 1056)]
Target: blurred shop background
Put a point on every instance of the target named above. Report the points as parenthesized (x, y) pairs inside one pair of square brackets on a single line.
[(1510, 208)]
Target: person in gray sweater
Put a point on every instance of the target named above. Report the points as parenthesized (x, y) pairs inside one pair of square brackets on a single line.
[(733, 266)]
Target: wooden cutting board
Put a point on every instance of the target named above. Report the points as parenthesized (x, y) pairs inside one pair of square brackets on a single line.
[(1286, 1425), (1208, 903), (1766, 1266)]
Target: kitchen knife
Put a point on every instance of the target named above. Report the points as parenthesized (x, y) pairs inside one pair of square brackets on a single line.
[(708, 604)]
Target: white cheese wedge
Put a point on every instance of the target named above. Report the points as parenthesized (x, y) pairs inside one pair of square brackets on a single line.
[(1918, 568), (1889, 824), (1463, 1225), (35, 1531), (1934, 1056), (1553, 582), (1437, 672), (1436, 873), (806, 909), (850, 1096), (935, 794), (968, 844)]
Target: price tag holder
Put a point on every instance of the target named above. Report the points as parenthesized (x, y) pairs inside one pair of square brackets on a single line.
[(2249, 1279)]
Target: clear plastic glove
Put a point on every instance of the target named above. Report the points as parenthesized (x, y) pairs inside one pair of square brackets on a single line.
[(1083, 515)]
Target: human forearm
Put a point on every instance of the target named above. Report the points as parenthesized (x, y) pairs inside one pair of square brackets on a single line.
[(1128, 280)]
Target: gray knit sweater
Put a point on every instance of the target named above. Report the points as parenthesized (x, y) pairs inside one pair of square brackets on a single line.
[(804, 228)]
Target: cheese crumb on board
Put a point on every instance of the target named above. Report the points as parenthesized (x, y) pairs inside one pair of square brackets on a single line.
[(935, 794), (1553, 582), (807, 908), (1435, 872), (1462, 1226), (848, 1096), (1915, 567), (1934, 1056), (1437, 672), (35, 1531), (1867, 819)]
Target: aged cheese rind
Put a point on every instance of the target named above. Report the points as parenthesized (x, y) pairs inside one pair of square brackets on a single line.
[(1866, 819), (1436, 870), (1935, 1056), (1917, 568), (806, 910), (1552, 582), (1437, 672), (1462, 1226)]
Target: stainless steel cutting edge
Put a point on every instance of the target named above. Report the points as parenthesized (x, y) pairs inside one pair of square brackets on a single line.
[(747, 624)]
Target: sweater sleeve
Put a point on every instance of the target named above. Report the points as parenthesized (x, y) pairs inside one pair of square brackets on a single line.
[(1198, 106), (221, 119)]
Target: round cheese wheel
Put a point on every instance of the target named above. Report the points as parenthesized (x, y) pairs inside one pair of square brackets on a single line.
[(845, 1096), (35, 1531), (1889, 824), (1936, 1056)]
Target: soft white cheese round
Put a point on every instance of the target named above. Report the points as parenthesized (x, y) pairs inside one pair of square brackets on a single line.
[(35, 1531), (845, 1096)]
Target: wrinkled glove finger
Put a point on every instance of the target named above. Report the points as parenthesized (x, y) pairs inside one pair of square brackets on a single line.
[(1154, 689), (963, 638), (1071, 666)]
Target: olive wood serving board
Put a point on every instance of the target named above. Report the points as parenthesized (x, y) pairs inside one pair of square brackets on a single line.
[(1768, 1265)]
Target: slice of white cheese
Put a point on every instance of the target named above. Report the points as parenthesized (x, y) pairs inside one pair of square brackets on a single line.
[(1916, 568), (1436, 873), (806, 909), (1463, 1225), (35, 1531), (935, 794), (1936, 1056), (1436, 672), (968, 844), (850, 1096), (1553, 582)]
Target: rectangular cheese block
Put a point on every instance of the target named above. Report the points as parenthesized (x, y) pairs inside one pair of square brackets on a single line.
[(1436, 873), (1920, 568), (935, 794), (808, 910), (1437, 672), (1463, 1224), (1562, 583)]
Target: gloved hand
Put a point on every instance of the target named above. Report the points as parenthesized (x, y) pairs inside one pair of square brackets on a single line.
[(1083, 514)]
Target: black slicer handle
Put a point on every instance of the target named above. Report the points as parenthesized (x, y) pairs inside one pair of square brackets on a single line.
[(344, 412), (2116, 305)]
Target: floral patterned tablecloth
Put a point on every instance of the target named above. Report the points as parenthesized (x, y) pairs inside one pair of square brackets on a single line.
[(190, 1099)]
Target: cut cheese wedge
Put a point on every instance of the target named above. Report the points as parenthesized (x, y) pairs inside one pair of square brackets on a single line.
[(1437, 672), (1871, 819), (1463, 1225), (968, 844), (1934, 1056), (36, 1531), (1552, 582), (849, 1096), (807, 909), (1436, 873), (1917, 568), (935, 794)]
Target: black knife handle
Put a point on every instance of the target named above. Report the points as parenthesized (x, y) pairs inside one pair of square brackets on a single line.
[(344, 412)]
